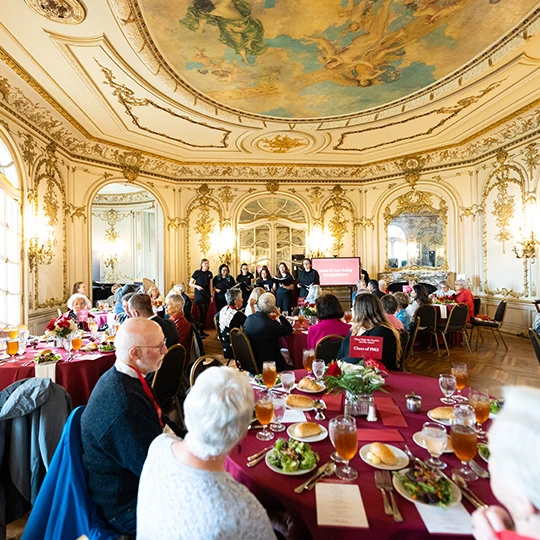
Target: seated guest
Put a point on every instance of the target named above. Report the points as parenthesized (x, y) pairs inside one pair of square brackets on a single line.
[(264, 333), (180, 289), (373, 287), (222, 283), (79, 287), (265, 280), (403, 304), (514, 439), (390, 306), (128, 288), (360, 287), (120, 421), (78, 306), (252, 300), (185, 492), (156, 297), (420, 297), (174, 307), (110, 299), (314, 292), (329, 313), (229, 317), (126, 314), (369, 319), (383, 286), (140, 305), (464, 296), (444, 291)]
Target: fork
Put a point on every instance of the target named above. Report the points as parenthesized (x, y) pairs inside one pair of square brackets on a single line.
[(387, 480), (379, 482)]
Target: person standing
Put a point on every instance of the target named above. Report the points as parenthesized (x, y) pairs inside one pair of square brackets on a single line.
[(222, 283), (265, 280), (246, 279), (201, 281), (307, 277), (284, 287)]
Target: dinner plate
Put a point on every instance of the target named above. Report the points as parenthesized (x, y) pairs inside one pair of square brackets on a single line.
[(316, 438), (444, 422), (280, 471), (418, 438), (456, 492), (403, 460), (323, 388), (481, 452), (303, 409)]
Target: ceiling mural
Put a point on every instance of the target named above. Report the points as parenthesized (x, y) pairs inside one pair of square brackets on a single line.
[(306, 59)]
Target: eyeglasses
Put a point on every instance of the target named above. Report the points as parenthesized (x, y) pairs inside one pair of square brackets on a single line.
[(160, 346)]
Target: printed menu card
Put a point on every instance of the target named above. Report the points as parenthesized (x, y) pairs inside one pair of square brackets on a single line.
[(340, 505), (451, 520)]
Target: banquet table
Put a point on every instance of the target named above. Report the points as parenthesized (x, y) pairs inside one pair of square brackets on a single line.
[(78, 376), (274, 489)]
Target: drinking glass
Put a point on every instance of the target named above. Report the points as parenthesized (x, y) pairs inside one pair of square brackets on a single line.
[(464, 439), (12, 347), (3, 346), (346, 444), (459, 371), (264, 410), (77, 343), (301, 320), (68, 345), (334, 456), (287, 380), (308, 356), (279, 412), (269, 374), (347, 316), (22, 347), (447, 383), (13, 332), (435, 440), (318, 366), (24, 333), (93, 327), (479, 401)]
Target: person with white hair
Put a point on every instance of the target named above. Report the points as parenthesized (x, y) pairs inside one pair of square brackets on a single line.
[(230, 317), (78, 310), (464, 296), (180, 289), (314, 292), (251, 306), (514, 439), (185, 492), (174, 307), (264, 332)]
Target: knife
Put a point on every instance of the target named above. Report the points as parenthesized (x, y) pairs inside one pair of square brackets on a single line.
[(319, 472)]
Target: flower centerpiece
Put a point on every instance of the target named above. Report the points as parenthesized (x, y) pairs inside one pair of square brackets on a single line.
[(359, 382), (62, 327)]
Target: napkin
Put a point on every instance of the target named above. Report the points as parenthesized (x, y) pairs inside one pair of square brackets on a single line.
[(46, 371), (381, 435), (444, 311), (389, 411), (334, 403), (340, 505), (451, 520), (291, 416)]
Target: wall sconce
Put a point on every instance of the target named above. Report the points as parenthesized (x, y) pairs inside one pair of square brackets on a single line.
[(526, 241), (222, 242), (41, 245), (111, 256), (525, 248), (320, 242)]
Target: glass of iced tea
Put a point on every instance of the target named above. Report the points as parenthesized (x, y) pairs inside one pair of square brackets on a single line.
[(269, 374), (307, 359), (465, 445), (479, 401), (346, 444), (301, 320), (347, 317), (12, 347), (459, 371), (76, 342), (13, 332), (264, 410)]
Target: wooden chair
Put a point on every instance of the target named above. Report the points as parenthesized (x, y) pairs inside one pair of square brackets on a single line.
[(328, 347), (404, 340), (242, 351), (169, 381), (200, 365), (428, 324), (494, 325), (535, 340), (456, 322)]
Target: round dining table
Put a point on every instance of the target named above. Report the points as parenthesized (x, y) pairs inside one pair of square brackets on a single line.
[(275, 490), (78, 376)]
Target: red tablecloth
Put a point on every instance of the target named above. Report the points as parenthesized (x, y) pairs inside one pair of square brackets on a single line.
[(272, 488), (296, 343), (78, 377)]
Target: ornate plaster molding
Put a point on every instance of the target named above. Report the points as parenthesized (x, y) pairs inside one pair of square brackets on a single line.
[(60, 11)]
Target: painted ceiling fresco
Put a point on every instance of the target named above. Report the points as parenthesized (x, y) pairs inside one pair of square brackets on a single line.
[(318, 58)]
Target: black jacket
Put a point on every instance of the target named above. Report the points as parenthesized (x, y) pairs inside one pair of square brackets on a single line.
[(169, 330)]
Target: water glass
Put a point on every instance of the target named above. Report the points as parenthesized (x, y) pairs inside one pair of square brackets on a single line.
[(287, 380), (3, 347), (447, 383), (318, 367), (435, 439), (22, 347), (68, 345), (279, 413)]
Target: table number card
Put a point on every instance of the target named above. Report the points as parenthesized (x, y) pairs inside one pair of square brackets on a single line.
[(340, 505), (366, 347), (452, 520)]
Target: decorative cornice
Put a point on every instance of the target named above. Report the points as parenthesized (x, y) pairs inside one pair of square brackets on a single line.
[(60, 11)]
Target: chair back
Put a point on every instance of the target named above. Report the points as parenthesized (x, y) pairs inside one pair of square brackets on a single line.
[(242, 351), (500, 312), (200, 365), (170, 376), (397, 286), (328, 347), (535, 340), (428, 318), (404, 340), (457, 318), (477, 304)]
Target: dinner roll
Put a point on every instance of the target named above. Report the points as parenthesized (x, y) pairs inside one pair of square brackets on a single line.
[(307, 429), (383, 453), (442, 413), (299, 402), (309, 384)]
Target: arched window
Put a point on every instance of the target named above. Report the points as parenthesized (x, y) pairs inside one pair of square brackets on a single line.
[(10, 240)]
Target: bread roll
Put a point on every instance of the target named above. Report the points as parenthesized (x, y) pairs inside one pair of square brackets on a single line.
[(309, 384), (299, 402), (307, 429), (45, 352), (110, 339), (442, 413), (383, 453)]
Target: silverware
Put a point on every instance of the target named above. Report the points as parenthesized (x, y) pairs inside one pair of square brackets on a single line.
[(390, 489), (259, 454), (318, 473), (254, 427), (329, 471), (254, 462), (480, 471), (462, 484), (379, 482)]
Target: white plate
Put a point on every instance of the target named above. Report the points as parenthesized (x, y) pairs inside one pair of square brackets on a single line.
[(316, 438), (481, 454), (439, 420), (275, 469), (418, 438), (456, 492), (403, 460), (303, 409), (323, 388)]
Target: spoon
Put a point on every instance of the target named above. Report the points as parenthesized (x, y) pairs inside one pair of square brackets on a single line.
[(320, 406), (470, 495)]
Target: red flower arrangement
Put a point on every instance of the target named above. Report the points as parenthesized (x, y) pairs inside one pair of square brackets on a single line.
[(379, 366), (61, 327), (333, 370)]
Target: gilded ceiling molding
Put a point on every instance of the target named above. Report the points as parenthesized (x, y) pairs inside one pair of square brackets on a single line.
[(77, 212), (272, 186), (412, 167), (532, 158), (131, 165), (226, 196), (282, 144), (470, 211), (123, 199), (60, 11)]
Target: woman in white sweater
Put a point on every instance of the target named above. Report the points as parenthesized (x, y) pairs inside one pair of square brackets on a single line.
[(184, 491)]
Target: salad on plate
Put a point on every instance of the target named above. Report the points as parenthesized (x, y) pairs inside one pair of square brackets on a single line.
[(292, 456)]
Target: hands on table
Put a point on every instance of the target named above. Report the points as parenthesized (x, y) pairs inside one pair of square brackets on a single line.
[(487, 522)]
